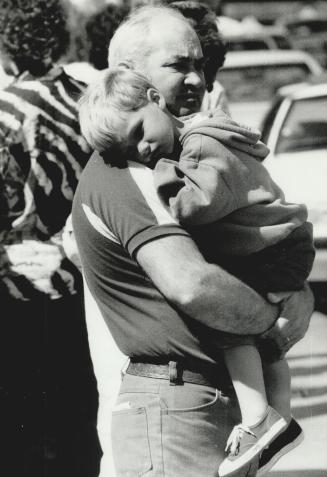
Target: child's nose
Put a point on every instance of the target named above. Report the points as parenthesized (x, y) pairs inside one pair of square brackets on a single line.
[(144, 149)]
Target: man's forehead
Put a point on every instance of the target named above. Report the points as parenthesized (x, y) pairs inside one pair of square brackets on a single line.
[(178, 36), (169, 49)]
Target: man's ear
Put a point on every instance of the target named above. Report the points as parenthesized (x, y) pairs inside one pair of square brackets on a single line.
[(154, 96)]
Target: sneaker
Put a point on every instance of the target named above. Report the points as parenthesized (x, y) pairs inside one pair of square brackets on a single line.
[(246, 443), (284, 443)]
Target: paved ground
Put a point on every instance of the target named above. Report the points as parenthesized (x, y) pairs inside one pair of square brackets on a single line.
[(308, 361)]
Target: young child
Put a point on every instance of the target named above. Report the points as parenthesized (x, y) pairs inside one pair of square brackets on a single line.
[(237, 214)]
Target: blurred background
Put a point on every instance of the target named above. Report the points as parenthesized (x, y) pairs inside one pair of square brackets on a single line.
[(275, 79)]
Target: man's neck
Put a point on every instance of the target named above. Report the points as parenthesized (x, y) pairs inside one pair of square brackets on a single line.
[(179, 125)]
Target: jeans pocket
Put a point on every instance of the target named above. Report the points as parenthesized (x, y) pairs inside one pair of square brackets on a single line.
[(194, 432), (187, 398), (130, 442)]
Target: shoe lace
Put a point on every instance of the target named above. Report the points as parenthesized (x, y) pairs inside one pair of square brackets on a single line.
[(233, 442)]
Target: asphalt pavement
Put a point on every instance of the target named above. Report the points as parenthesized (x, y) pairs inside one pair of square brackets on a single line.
[(308, 362)]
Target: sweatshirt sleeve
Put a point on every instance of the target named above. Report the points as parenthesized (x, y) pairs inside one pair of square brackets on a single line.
[(196, 189)]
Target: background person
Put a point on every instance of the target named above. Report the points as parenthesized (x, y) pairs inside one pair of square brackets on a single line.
[(204, 22), (98, 29), (122, 232), (47, 388), (5, 78)]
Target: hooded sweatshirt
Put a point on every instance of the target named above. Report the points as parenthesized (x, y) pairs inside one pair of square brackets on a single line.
[(220, 179)]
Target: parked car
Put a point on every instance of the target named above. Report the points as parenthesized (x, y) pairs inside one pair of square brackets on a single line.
[(251, 79), (309, 34), (258, 41), (249, 34), (295, 130)]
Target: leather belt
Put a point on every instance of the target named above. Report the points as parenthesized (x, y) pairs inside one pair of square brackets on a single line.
[(175, 372)]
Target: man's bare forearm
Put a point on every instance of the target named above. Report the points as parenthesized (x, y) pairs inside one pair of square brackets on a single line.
[(234, 305), (205, 292)]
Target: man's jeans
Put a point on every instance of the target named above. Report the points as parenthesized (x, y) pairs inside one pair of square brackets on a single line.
[(163, 430)]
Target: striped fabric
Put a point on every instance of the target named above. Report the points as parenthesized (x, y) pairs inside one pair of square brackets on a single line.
[(42, 154)]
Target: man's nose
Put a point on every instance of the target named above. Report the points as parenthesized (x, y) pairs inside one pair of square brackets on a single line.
[(195, 78)]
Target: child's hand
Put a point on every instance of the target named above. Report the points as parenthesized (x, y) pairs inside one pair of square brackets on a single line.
[(292, 324), (277, 297)]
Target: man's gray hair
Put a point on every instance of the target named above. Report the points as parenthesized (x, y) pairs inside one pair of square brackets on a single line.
[(130, 43)]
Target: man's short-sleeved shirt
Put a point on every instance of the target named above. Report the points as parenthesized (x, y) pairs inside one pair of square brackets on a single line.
[(116, 210)]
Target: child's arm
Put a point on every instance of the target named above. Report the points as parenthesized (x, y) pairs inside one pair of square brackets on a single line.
[(195, 189)]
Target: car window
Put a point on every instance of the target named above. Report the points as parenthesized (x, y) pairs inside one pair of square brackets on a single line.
[(305, 126), (259, 83), (282, 42), (244, 45), (305, 28)]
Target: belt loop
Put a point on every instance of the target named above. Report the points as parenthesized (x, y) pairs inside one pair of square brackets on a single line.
[(173, 374)]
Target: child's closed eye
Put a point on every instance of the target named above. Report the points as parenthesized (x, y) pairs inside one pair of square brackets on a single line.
[(138, 132)]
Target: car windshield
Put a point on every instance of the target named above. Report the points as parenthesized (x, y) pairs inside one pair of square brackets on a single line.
[(305, 126), (259, 83), (305, 27)]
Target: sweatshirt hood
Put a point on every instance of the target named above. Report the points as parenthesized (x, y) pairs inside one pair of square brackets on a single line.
[(228, 132)]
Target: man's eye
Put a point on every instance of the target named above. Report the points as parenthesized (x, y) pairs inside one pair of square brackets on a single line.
[(177, 66), (199, 65)]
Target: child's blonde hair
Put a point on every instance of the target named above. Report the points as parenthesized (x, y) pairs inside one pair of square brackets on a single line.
[(102, 106)]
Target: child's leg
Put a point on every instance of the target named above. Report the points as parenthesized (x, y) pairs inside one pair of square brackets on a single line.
[(278, 387), (245, 369), (277, 379), (261, 424)]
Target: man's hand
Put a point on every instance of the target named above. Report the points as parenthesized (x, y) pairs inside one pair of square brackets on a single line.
[(290, 327)]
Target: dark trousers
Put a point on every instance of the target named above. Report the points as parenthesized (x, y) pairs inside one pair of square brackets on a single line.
[(48, 395)]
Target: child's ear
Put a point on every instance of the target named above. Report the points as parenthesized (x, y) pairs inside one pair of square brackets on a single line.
[(154, 96), (126, 65)]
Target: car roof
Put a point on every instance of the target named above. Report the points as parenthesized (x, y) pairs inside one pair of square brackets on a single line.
[(269, 57), (315, 85), (227, 25), (321, 18), (248, 26), (265, 32)]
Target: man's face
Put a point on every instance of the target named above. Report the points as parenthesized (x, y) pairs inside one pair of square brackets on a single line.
[(174, 66)]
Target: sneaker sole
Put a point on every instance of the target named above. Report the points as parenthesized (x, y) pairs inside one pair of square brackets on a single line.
[(263, 442), (263, 470)]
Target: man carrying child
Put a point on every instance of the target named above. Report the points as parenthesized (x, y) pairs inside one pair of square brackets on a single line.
[(164, 304)]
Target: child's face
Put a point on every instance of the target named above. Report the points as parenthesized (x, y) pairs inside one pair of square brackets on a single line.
[(150, 131)]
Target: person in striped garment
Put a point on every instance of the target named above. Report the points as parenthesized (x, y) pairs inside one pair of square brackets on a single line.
[(43, 344)]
